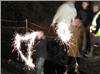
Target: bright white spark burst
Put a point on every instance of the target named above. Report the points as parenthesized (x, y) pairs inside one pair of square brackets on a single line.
[(17, 45), (63, 32), (65, 14)]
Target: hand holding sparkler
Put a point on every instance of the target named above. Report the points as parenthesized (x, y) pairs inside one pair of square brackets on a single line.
[(28, 38)]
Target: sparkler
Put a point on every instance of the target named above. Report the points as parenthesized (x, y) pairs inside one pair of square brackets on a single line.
[(30, 39), (63, 20), (63, 32), (65, 14)]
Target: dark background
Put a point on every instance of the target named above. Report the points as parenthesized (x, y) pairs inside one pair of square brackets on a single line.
[(39, 15)]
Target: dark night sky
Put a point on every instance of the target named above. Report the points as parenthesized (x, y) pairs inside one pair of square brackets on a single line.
[(34, 10)]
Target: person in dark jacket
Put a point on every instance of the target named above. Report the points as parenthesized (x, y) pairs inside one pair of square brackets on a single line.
[(85, 13), (41, 52), (86, 17), (56, 59)]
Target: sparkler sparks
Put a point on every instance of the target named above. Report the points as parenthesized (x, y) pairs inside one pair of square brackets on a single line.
[(30, 38), (64, 16), (63, 32), (63, 20)]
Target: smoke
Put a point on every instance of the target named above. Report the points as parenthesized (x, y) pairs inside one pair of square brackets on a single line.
[(65, 14)]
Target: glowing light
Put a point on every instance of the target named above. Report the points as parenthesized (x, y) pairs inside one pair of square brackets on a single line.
[(63, 18), (30, 39), (63, 32)]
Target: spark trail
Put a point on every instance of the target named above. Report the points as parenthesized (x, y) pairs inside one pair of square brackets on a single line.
[(65, 14), (28, 38)]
